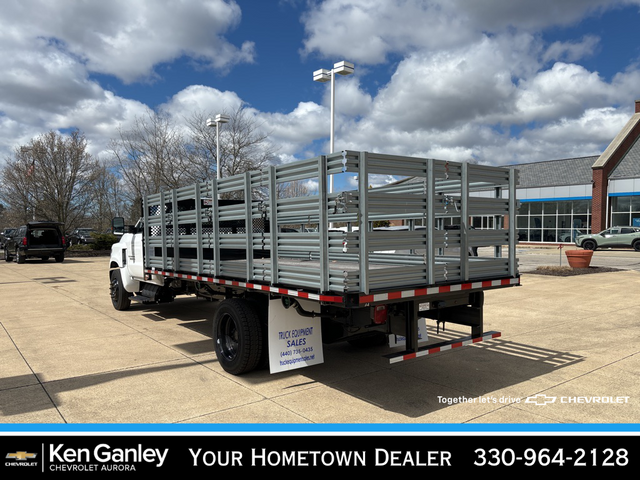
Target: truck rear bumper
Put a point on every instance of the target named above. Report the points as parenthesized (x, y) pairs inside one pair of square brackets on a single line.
[(440, 347)]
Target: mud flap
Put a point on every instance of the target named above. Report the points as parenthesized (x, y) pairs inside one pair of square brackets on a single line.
[(295, 341)]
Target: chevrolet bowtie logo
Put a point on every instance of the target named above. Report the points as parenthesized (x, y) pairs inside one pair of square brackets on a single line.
[(21, 455), (540, 399)]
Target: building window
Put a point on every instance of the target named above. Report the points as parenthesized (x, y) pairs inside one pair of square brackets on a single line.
[(625, 210), (484, 222), (553, 222)]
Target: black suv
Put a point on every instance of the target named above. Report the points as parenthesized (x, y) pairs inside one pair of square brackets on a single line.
[(36, 239)]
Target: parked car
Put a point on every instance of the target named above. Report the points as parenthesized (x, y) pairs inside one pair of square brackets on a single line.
[(611, 237), (36, 239), (81, 236), (6, 233), (570, 236)]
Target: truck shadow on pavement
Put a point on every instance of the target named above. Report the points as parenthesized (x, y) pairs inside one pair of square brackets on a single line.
[(414, 389), (472, 371)]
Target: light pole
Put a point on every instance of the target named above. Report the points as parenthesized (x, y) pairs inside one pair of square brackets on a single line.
[(324, 75), (220, 118)]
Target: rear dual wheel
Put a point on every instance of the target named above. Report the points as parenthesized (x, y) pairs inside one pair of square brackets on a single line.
[(238, 336)]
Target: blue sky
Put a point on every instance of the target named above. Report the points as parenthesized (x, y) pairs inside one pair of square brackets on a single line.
[(494, 81)]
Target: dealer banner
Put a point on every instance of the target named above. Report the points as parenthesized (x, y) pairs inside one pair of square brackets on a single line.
[(418, 454)]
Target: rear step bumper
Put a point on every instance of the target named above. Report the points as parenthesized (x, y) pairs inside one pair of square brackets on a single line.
[(440, 347)]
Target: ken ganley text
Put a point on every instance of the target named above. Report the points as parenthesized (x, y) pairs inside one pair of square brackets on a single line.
[(103, 457), (318, 458)]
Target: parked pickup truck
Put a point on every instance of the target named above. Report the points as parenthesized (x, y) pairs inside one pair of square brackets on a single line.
[(283, 292)]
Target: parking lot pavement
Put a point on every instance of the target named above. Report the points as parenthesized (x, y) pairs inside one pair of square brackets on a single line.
[(568, 354)]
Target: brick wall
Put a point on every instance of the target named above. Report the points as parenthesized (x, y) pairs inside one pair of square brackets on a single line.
[(601, 175)]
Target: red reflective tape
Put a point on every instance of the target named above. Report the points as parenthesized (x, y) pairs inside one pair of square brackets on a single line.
[(445, 288), (394, 295), (332, 299), (466, 286), (366, 299)]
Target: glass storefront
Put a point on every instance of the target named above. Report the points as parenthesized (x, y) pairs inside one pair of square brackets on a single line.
[(625, 210), (553, 221)]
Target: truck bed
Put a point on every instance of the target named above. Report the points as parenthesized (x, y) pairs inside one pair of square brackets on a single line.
[(338, 247)]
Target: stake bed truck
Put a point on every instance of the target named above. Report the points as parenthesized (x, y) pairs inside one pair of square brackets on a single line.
[(293, 273)]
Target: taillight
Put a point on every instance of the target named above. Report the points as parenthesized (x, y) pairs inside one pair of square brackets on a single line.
[(64, 241), (380, 313), (24, 241)]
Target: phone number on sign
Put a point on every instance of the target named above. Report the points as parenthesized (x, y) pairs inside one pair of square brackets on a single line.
[(607, 457)]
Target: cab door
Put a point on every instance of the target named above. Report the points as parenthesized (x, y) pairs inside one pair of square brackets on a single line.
[(135, 256)]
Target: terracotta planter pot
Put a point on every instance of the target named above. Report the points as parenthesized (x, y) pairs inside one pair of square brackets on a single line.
[(579, 258)]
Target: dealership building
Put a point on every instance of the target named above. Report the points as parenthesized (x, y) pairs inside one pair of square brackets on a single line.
[(562, 198)]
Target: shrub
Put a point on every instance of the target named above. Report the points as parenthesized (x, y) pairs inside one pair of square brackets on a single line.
[(103, 241)]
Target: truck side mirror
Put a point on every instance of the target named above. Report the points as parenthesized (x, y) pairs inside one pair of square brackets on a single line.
[(117, 226)]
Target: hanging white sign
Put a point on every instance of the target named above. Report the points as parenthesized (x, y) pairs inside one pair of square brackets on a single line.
[(295, 341)]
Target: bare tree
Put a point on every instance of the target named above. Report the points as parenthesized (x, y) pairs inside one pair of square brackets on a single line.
[(157, 153), (244, 144), (297, 188), (107, 200), (151, 155), (50, 178)]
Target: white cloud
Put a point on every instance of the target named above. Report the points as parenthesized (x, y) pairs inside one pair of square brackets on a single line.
[(469, 80), (50, 51), (368, 31), (292, 132), (572, 51), (201, 98), (129, 39)]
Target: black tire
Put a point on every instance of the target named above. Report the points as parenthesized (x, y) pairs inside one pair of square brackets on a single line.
[(7, 256), (20, 258), (237, 336), (589, 245), (119, 296), (59, 258), (636, 245), (260, 304)]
